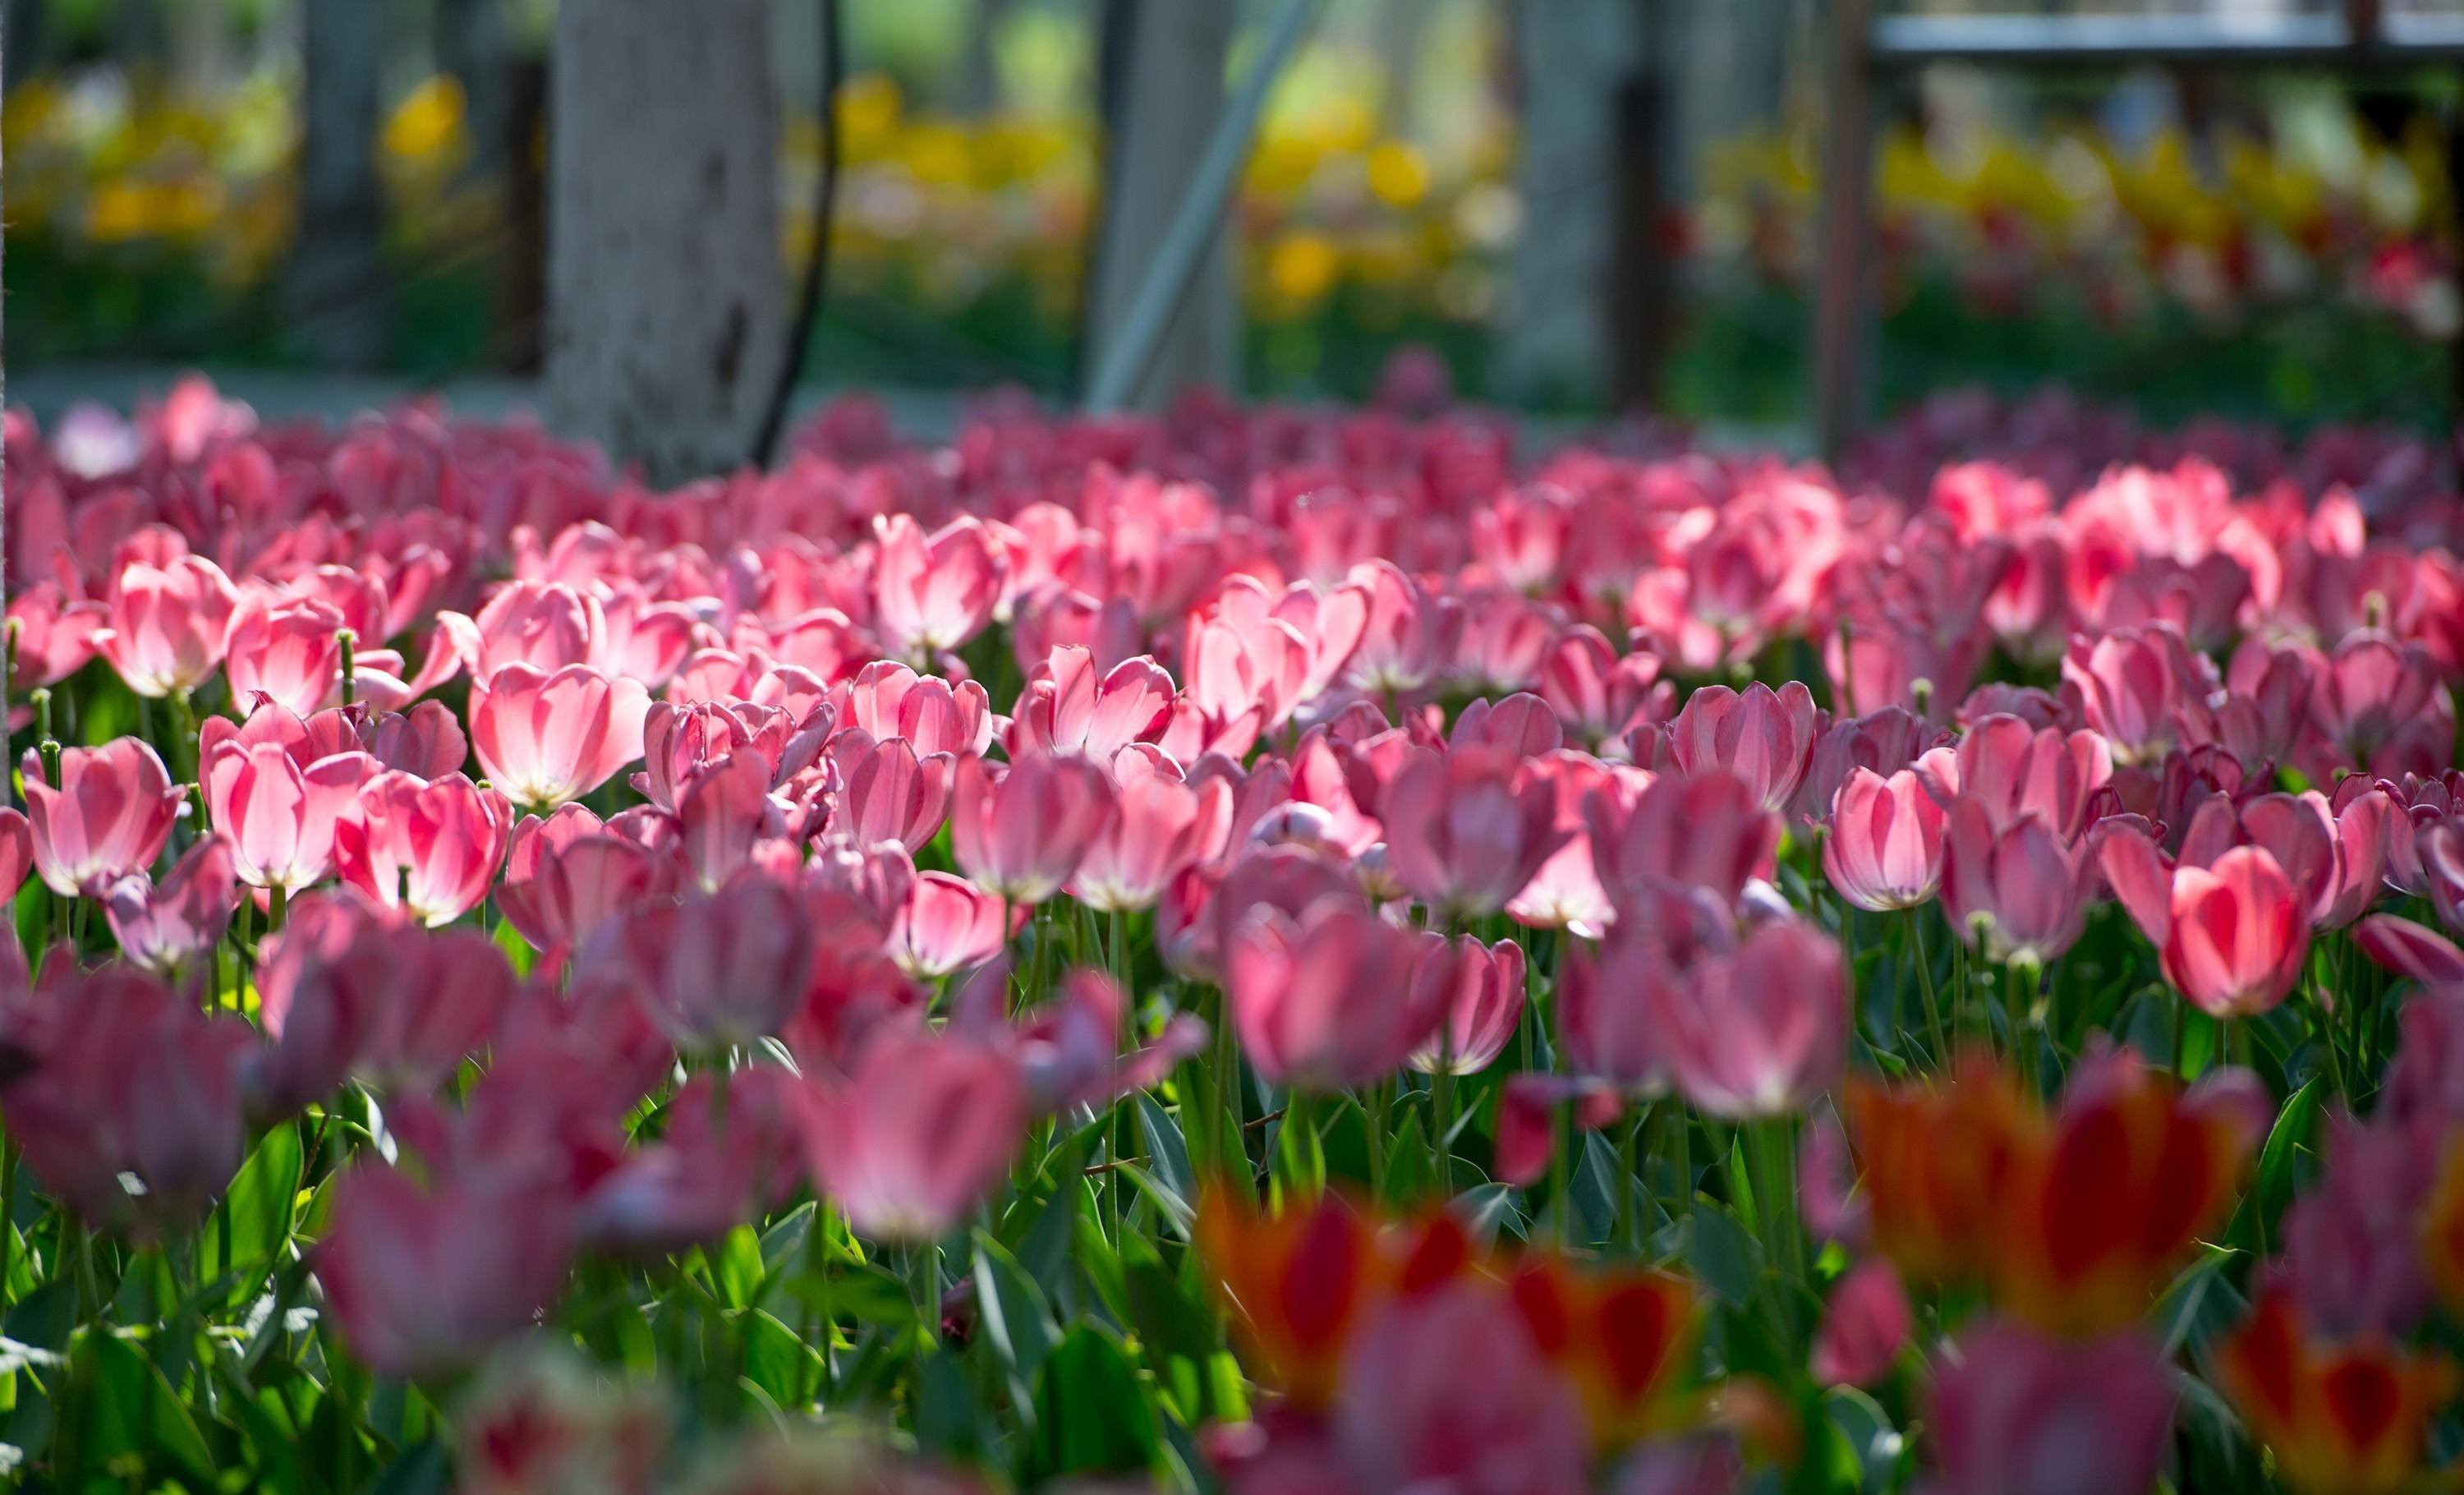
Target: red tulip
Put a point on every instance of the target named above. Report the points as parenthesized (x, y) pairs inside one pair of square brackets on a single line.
[(1326, 1000), (167, 625), (546, 739), (426, 849), (2022, 1411), (164, 926), (1885, 846), (1763, 737), (108, 817), (932, 593), (921, 1130), (1020, 832)]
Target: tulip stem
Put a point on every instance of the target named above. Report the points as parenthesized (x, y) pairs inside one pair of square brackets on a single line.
[(2180, 1032), (7, 1216), (1441, 1123), (1925, 984)]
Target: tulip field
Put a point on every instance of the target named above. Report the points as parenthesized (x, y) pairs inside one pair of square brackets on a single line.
[(1262, 951)]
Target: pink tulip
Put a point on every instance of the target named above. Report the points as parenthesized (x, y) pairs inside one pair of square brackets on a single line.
[(17, 852), (54, 636), (1763, 737), (922, 1131), (2019, 1410), (1067, 708), (2381, 708), (568, 874), (1864, 1326), (723, 814), (1483, 997), (549, 625), (427, 741), (423, 1280), (2017, 888), (1160, 826), (279, 814), (108, 817), (125, 1098), (894, 794), (945, 925), (887, 699), (1020, 832), (1708, 831), (164, 926), (717, 1163), (1409, 636), (2410, 950), (344, 992), (1328, 1000), (546, 739), (1528, 1108), (932, 593), (2009, 769), (2232, 935), (168, 624), (2142, 689), (1885, 846), (1521, 537), (718, 969), (426, 849), (1467, 830), (1760, 1032), (1599, 694), (284, 650)]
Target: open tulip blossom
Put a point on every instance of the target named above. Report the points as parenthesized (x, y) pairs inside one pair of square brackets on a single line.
[(1253, 950)]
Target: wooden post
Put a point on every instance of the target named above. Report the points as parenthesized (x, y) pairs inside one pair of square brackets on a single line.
[(1843, 297), (667, 297)]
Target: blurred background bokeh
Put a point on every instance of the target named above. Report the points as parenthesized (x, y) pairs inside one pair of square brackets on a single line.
[(2274, 243)]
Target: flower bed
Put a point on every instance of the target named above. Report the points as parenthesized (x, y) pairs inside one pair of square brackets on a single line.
[(1258, 949)]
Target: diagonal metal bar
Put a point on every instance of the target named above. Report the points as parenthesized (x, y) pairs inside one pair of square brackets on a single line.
[(1198, 217)]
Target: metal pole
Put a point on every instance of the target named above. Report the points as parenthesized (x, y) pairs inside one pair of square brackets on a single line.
[(1843, 292), (1198, 219)]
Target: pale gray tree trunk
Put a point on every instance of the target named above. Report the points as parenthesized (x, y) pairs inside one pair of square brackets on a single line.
[(1172, 84), (1572, 56), (1729, 74), (338, 281), (666, 294), (470, 47)]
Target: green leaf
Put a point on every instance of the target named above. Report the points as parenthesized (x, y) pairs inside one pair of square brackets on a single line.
[(1177, 1332), (1723, 1256), (1175, 1208), (735, 1267), (1166, 1147), (518, 950), (1090, 1415), (126, 1408), (262, 1197), (1017, 1322), (424, 1469), (2285, 1141), (775, 1359)]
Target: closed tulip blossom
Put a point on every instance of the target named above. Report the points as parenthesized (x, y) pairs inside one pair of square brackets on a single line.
[(1160, 826), (891, 793), (423, 1279), (2011, 768), (1763, 737), (1865, 1325), (917, 1134), (1760, 1032), (1466, 829), (108, 817), (1706, 830), (278, 813), (2022, 1411), (16, 851), (1885, 846), (2017, 892), (888, 699), (934, 592), (169, 625), (945, 925), (284, 651), (2232, 935), (428, 849), (1020, 831), (546, 739), (568, 874), (1069, 708), (716, 970), (163, 926), (1485, 998), (1328, 1000)]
